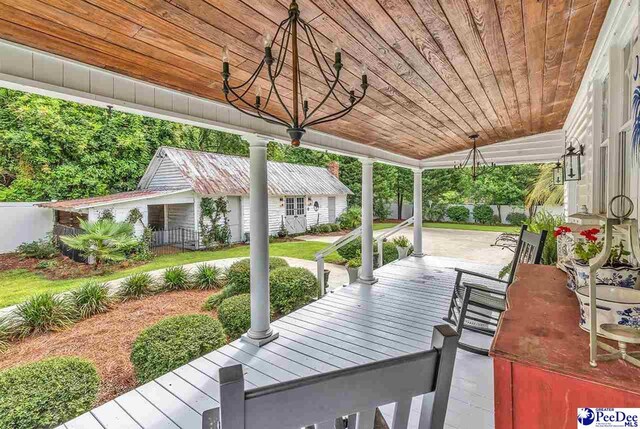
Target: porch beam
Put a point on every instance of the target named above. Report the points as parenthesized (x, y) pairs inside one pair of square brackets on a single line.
[(366, 271), (417, 213), (260, 332)]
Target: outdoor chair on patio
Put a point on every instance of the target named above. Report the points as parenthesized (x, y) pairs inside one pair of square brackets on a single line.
[(477, 307), (322, 400)]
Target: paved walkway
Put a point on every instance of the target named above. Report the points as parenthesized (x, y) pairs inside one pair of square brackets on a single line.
[(451, 243)]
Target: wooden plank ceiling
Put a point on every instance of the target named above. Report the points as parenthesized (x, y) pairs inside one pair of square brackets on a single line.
[(439, 70)]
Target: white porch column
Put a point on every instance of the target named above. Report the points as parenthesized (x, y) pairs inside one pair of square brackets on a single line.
[(366, 271), (417, 213), (260, 332)]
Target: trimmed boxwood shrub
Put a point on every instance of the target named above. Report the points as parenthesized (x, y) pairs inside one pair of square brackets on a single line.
[(47, 393), (334, 227), (239, 281), (291, 288), (235, 315), (389, 253), (483, 213), (173, 342), (517, 219), (458, 213)]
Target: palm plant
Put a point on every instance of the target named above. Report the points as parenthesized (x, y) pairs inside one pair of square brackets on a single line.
[(104, 240), (543, 191)]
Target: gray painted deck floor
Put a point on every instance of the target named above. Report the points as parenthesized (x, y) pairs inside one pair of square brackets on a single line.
[(353, 325)]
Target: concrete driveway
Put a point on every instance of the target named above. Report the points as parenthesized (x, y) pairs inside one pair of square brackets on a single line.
[(451, 243)]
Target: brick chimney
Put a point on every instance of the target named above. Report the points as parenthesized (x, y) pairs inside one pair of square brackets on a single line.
[(334, 168)]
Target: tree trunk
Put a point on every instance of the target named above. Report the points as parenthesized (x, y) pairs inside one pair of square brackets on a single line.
[(499, 212), (400, 202)]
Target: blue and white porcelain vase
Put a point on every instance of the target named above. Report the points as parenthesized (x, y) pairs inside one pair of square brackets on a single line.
[(623, 276), (620, 306)]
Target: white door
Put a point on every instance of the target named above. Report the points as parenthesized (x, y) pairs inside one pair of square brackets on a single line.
[(332, 209), (295, 219), (235, 218)]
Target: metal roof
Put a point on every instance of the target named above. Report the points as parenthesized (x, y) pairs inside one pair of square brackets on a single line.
[(217, 174), (104, 200)]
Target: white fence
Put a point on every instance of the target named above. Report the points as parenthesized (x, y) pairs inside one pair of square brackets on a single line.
[(407, 211), (23, 222)]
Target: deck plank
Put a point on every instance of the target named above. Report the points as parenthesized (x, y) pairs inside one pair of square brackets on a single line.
[(143, 412), (112, 416), (171, 406), (85, 421)]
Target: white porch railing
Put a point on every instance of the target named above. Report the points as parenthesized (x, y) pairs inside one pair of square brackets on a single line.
[(329, 250), (380, 238)]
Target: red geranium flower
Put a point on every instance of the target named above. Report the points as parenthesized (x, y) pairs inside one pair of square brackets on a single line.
[(590, 234), (561, 230)]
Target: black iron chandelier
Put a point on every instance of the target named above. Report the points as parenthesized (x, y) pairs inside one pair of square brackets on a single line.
[(299, 113), (475, 161)]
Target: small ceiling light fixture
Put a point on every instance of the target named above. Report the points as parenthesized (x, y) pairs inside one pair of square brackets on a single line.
[(572, 160), (475, 161), (299, 113)]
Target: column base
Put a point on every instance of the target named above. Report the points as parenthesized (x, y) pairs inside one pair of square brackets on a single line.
[(259, 342), (418, 255), (370, 281)]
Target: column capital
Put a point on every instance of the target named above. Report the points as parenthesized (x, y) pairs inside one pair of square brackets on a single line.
[(367, 161), (257, 140), (417, 170)]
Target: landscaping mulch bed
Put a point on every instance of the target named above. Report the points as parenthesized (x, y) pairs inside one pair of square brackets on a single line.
[(60, 267), (106, 339)]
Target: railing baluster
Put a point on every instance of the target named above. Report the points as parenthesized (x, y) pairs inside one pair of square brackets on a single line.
[(366, 419), (401, 414)]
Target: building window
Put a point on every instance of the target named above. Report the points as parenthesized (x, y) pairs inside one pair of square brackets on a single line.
[(300, 206), (290, 206), (605, 109)]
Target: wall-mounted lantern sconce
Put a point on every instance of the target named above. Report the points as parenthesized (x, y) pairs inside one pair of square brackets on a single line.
[(572, 160)]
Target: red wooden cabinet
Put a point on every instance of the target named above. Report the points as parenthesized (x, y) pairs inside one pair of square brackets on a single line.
[(541, 359)]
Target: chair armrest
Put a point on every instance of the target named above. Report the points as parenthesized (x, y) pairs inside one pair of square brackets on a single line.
[(482, 276), (483, 288)]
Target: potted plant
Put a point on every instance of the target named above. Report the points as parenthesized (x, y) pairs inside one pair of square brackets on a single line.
[(353, 268), (402, 245), (618, 271)]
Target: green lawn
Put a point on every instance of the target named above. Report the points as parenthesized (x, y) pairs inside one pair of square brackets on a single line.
[(447, 225), (18, 285)]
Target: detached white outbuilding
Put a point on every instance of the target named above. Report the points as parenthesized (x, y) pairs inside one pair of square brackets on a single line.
[(170, 194)]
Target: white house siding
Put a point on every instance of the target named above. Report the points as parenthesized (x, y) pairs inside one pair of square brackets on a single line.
[(277, 211), (167, 175)]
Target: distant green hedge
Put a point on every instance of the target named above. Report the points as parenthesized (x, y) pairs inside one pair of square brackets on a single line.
[(173, 342), (47, 393)]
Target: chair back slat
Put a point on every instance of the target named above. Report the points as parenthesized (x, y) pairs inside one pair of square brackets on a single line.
[(528, 250), (356, 390)]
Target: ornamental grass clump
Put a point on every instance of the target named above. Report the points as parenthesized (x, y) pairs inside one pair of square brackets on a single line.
[(45, 312), (91, 298), (136, 286), (208, 277), (291, 288), (176, 278), (174, 342), (47, 393), (7, 332), (235, 315)]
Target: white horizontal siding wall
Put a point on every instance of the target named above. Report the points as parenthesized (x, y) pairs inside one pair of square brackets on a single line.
[(322, 215), (341, 204), (276, 212), (167, 175)]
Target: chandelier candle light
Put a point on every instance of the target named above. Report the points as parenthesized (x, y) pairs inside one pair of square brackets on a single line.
[(479, 165), (298, 114)]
